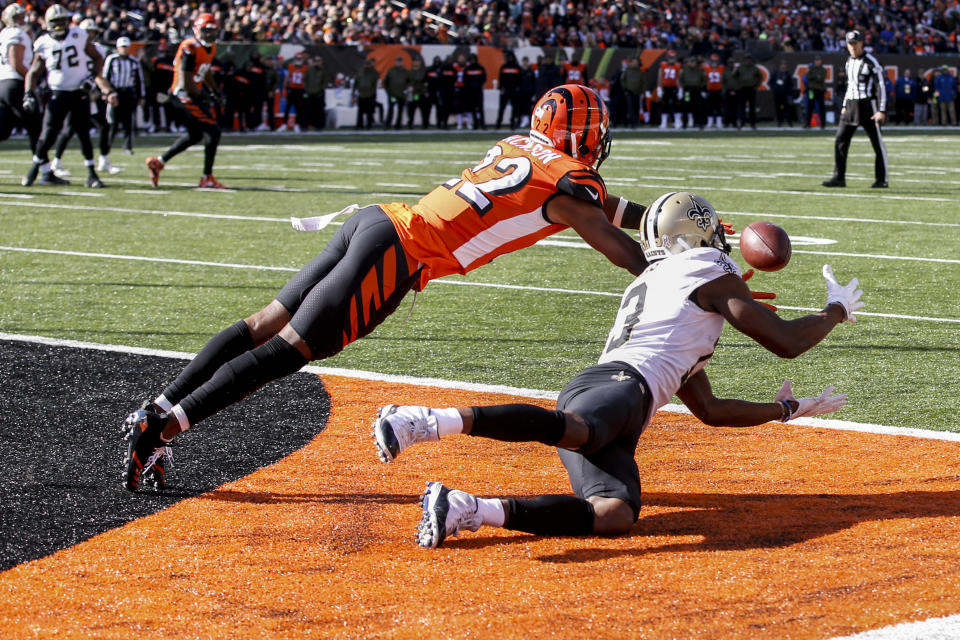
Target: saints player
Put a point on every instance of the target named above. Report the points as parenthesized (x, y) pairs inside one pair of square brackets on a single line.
[(98, 118), (61, 56), (667, 327), (16, 55)]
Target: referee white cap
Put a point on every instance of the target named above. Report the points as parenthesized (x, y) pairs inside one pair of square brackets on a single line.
[(123, 41)]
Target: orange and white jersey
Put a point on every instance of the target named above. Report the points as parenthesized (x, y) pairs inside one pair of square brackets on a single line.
[(199, 58), (714, 76), (492, 209), (296, 75), (669, 74), (575, 73)]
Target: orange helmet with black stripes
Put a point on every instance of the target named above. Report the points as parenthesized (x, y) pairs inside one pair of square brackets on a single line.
[(206, 29), (573, 119)]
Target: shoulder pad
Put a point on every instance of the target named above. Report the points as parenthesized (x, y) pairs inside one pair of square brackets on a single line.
[(584, 184)]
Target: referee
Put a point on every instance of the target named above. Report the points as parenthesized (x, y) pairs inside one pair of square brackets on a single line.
[(126, 76), (865, 104)]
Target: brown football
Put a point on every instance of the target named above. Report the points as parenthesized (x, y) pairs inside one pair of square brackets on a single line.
[(765, 246)]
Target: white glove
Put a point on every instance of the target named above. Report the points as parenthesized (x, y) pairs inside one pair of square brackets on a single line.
[(659, 92), (848, 297), (824, 403)]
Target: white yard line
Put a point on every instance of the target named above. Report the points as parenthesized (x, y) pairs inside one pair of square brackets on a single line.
[(462, 283), (820, 423)]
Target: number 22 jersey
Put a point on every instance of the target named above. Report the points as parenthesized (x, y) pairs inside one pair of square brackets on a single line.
[(492, 209), (659, 330)]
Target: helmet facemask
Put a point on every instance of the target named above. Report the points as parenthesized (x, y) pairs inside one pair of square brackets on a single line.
[(58, 21), (205, 29)]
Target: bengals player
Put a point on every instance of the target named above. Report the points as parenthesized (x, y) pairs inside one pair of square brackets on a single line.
[(191, 93), (714, 70), (527, 187), (668, 89)]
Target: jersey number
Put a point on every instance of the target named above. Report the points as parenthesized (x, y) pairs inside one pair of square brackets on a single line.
[(515, 173), (72, 60), (627, 317)]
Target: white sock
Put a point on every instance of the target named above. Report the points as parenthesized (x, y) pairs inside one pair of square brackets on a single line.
[(449, 421), (162, 402), (88, 163), (181, 417), (491, 511)]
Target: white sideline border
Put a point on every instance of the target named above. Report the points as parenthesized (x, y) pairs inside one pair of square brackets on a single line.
[(822, 423), (946, 628)]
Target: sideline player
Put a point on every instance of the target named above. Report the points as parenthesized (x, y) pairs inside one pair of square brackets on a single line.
[(667, 327), (61, 56), (525, 189), (668, 89), (190, 94), (864, 105), (16, 55)]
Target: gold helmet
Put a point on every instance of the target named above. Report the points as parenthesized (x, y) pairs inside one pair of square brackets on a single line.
[(11, 13), (58, 21), (677, 222)]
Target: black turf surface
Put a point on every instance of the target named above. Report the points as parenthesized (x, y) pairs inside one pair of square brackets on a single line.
[(61, 448)]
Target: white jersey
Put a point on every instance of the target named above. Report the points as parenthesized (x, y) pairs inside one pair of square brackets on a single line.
[(66, 60), (661, 332), (8, 37)]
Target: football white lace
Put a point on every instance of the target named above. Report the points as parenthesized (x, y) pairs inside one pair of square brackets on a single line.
[(165, 452), (412, 426), (463, 513)]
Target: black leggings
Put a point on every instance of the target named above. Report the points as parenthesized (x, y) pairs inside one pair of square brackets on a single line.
[(351, 286), (200, 124), (12, 113)]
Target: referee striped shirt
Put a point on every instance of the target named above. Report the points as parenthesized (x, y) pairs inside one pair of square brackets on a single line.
[(124, 73), (865, 81)]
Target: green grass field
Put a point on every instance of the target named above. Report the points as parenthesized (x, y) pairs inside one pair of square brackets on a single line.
[(166, 269)]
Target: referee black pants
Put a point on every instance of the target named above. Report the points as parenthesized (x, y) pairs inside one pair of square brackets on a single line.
[(122, 115), (859, 113)]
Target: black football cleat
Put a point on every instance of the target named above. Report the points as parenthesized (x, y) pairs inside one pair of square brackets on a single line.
[(879, 184), (144, 450), (31, 176), (94, 182), (51, 179), (834, 182)]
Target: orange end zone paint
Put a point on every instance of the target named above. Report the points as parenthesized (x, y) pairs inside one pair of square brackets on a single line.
[(768, 532)]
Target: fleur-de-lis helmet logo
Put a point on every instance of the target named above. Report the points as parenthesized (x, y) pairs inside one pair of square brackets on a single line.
[(699, 214)]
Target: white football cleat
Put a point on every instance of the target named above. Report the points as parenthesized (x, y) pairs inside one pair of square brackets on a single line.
[(446, 512), (56, 166), (396, 428)]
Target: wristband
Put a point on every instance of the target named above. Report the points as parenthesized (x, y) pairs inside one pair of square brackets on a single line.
[(621, 207), (786, 412)]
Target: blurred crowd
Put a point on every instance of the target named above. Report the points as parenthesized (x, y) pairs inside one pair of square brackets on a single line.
[(890, 26)]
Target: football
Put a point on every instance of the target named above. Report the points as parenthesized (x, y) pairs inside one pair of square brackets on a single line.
[(765, 246)]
